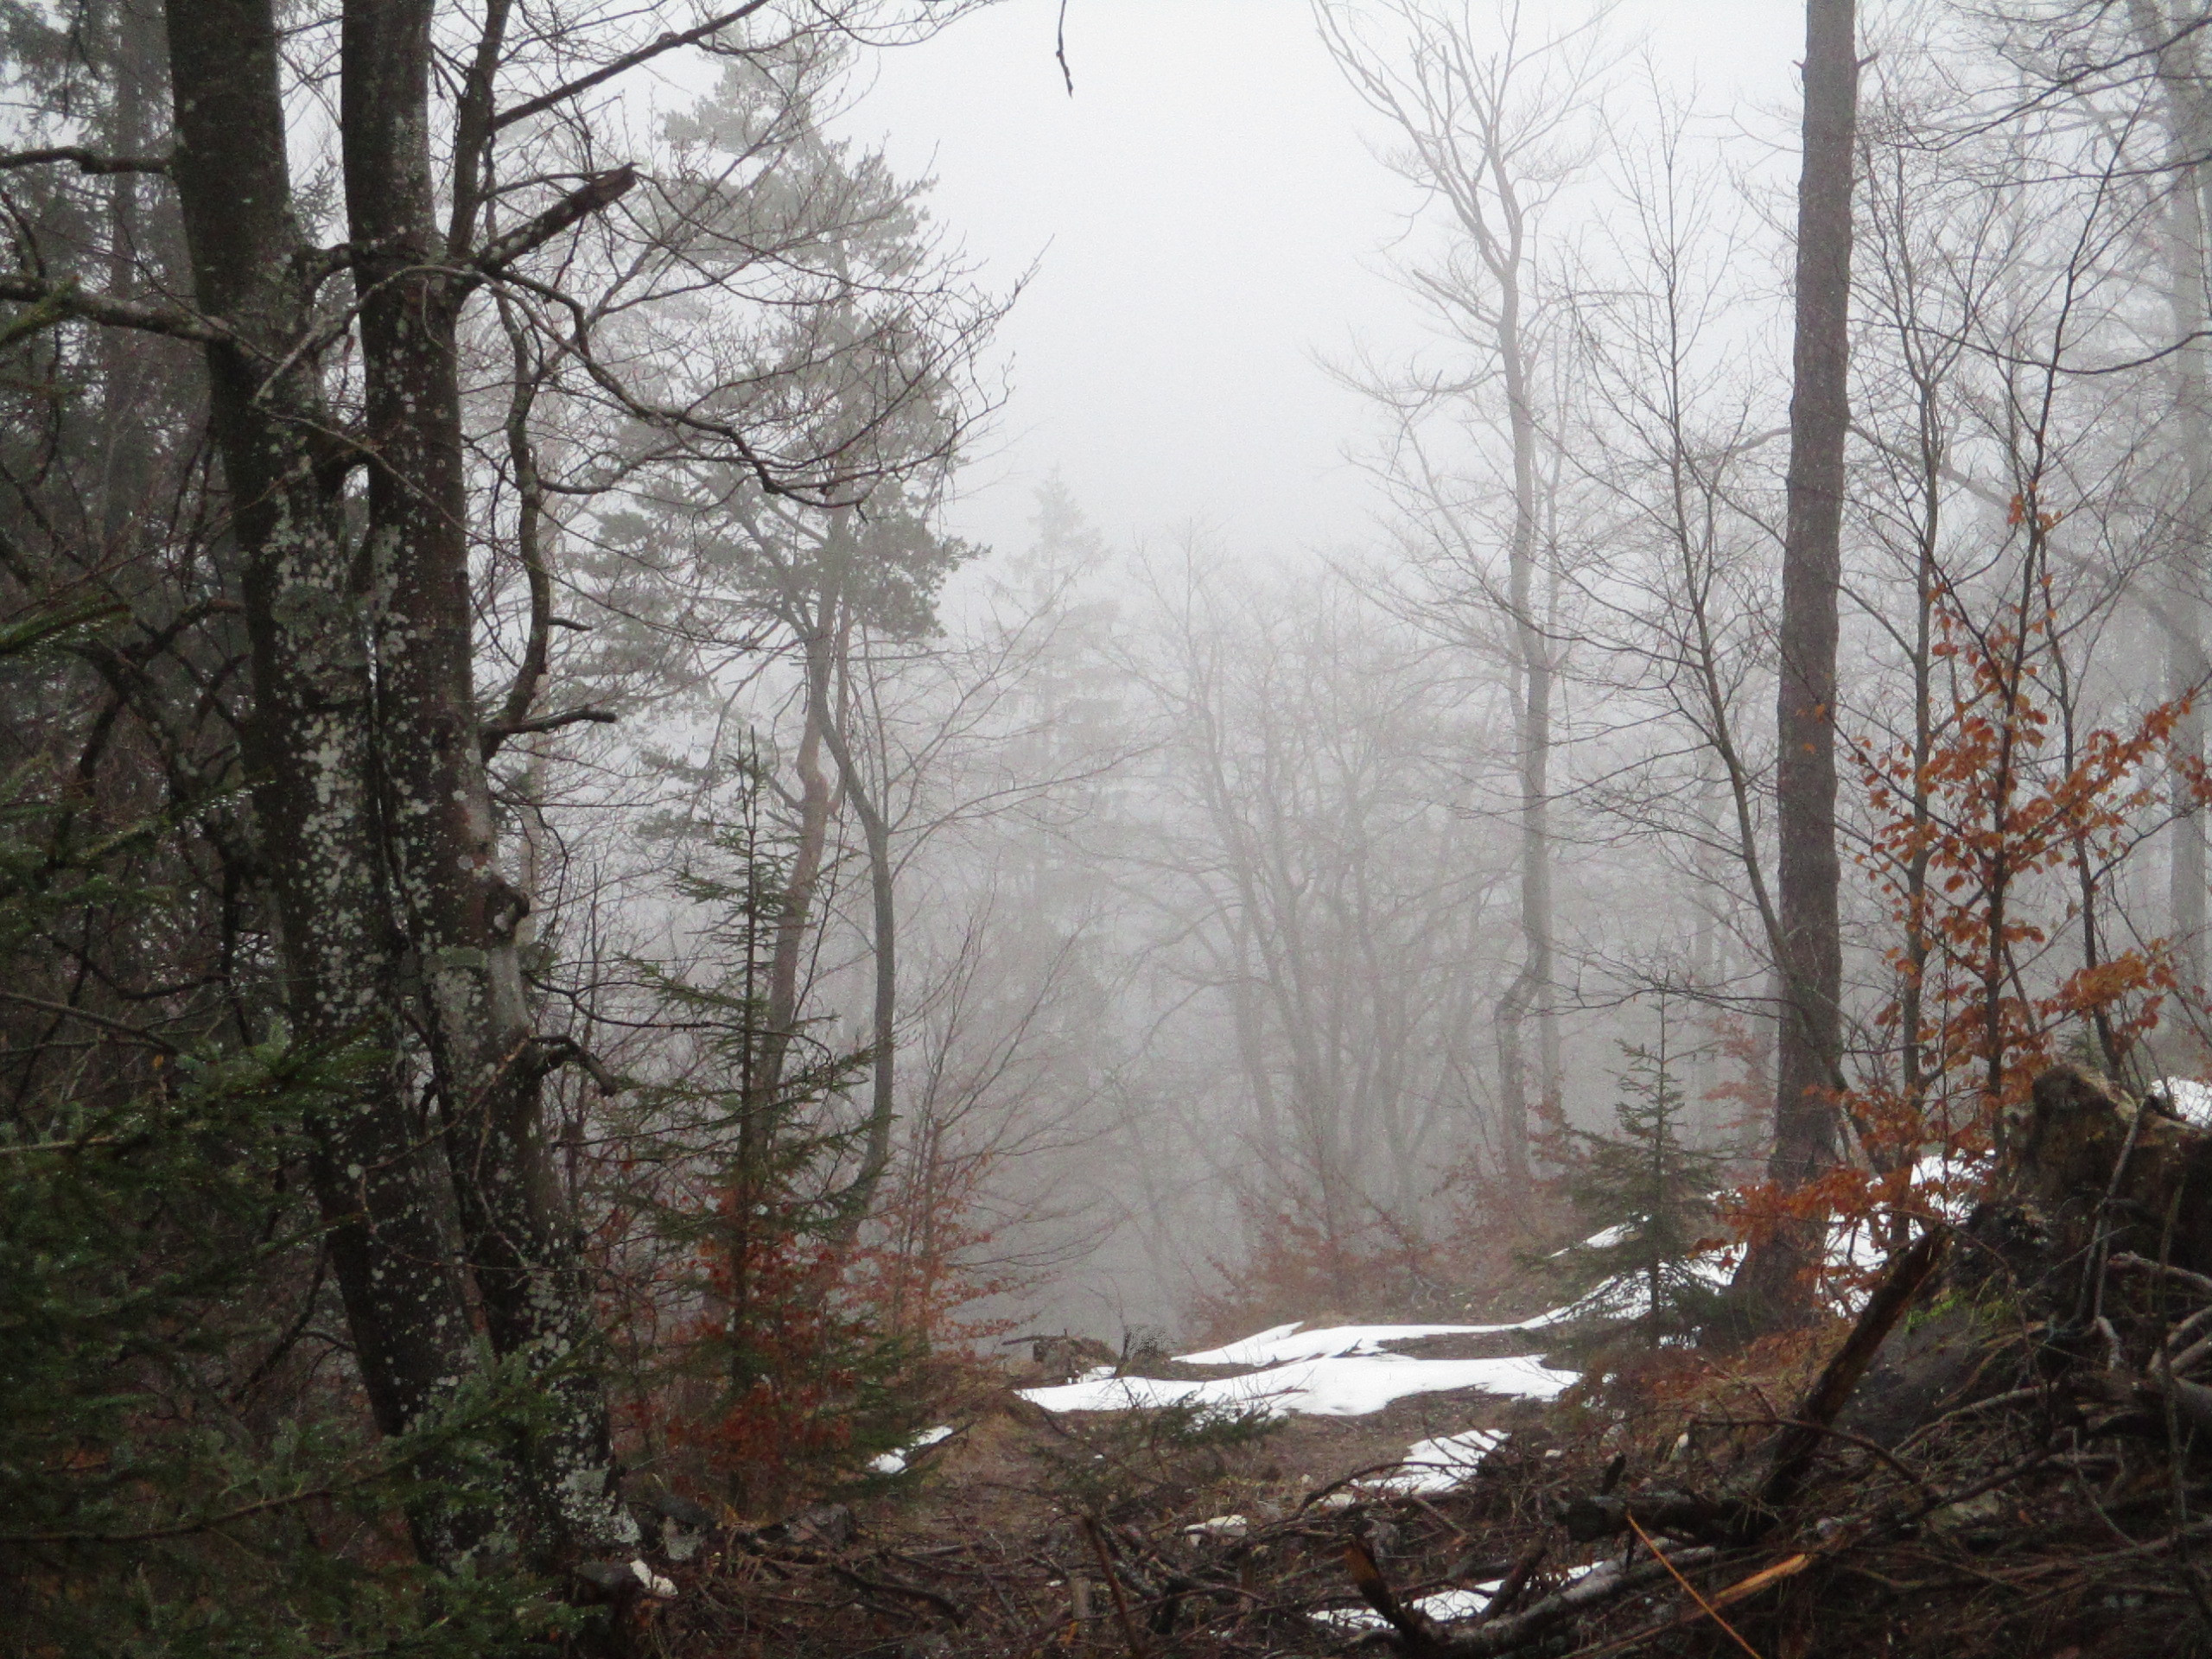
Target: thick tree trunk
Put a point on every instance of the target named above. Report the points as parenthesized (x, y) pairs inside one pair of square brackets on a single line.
[(311, 741), (460, 917), (1808, 1063)]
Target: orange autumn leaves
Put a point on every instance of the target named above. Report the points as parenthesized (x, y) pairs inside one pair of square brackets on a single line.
[(1996, 836)]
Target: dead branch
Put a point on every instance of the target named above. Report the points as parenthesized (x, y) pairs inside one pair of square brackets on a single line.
[(494, 733), (66, 299), (1710, 1609), (1607, 1584), (595, 193), (1795, 1446), (1416, 1635), (1091, 1531)]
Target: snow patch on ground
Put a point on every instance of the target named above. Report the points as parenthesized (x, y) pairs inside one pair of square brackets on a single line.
[(1340, 1386), (1282, 1343), (1220, 1526), (1442, 1464), (1445, 1606), (894, 1462), (1604, 1239), (2191, 1100)]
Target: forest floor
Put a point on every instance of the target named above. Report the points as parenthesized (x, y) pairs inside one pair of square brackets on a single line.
[(1030, 1532), (2001, 1453), (1660, 1506)]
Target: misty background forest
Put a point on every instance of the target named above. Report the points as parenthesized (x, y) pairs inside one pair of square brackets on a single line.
[(666, 813)]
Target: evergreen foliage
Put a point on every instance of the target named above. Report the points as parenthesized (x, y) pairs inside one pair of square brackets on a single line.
[(182, 1471), (1648, 1193), (744, 1154)]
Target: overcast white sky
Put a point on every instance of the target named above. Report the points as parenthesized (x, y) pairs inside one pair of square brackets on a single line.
[(1207, 220)]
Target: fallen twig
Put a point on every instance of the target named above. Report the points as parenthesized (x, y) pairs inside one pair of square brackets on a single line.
[(1711, 1610), (1516, 1579), (1415, 1633), (1114, 1587), (1735, 1592), (951, 1610)]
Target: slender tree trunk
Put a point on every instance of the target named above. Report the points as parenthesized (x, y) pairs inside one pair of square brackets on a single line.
[(819, 620), (126, 437), (875, 835), (1911, 1010), (2182, 600), (1532, 988), (460, 917), (840, 550), (1809, 1059), (311, 739), (815, 618)]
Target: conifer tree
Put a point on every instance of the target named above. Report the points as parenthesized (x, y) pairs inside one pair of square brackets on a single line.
[(748, 1165), (1650, 1194)]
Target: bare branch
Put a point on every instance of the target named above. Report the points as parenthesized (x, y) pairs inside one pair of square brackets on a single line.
[(66, 299), (70, 1011), (496, 732), (530, 519), (86, 161), (628, 61), (595, 192)]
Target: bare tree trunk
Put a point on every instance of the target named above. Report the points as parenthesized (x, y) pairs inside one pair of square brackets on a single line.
[(1473, 125), (460, 917), (832, 638), (1809, 1059), (875, 835), (1529, 993), (1531, 989), (823, 622), (310, 740), (2181, 603), (818, 620), (126, 446)]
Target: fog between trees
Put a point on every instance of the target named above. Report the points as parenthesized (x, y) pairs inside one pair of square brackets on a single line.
[(486, 666)]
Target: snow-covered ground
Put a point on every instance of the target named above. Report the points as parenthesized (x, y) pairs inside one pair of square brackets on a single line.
[(1446, 1605), (1281, 1343), (1338, 1370)]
